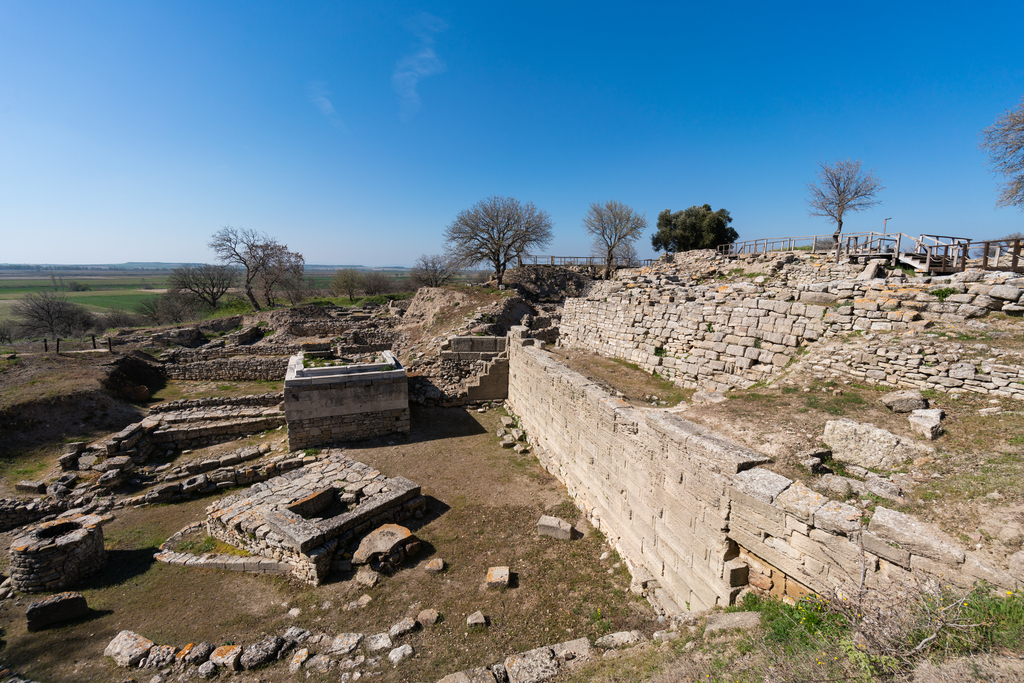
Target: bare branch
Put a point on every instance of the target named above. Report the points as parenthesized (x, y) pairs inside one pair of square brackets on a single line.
[(434, 270), (1004, 142), (613, 225), (842, 188)]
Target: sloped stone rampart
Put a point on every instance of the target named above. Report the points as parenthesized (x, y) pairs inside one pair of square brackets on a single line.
[(654, 483), (695, 512)]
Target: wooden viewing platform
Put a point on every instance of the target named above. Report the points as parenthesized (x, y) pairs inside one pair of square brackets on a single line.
[(939, 254), (596, 261)]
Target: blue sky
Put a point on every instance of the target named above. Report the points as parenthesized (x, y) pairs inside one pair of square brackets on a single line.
[(355, 132)]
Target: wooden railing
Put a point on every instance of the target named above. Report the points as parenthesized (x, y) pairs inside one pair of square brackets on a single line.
[(596, 261)]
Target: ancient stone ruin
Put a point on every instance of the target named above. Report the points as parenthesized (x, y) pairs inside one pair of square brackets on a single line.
[(335, 403), (308, 517), (58, 554)]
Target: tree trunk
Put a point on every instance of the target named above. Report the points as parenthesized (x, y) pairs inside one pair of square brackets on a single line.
[(252, 298)]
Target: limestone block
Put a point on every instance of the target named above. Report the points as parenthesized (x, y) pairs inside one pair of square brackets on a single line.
[(869, 446), (532, 666), (904, 401), (916, 537), (764, 485), (725, 622), (837, 517), (555, 528), (800, 501), (55, 609), (927, 423), (498, 577)]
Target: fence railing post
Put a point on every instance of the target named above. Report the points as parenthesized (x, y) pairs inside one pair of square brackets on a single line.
[(46, 348)]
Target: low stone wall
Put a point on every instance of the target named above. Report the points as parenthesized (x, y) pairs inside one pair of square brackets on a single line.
[(190, 404), (733, 335), (254, 369), (58, 554), (940, 365), (472, 348), (15, 512)]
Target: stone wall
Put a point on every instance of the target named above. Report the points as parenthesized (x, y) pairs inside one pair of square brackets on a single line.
[(654, 483), (734, 335), (257, 368), (695, 516), (58, 554), (15, 512)]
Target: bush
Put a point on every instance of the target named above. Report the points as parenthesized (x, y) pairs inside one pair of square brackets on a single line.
[(51, 314)]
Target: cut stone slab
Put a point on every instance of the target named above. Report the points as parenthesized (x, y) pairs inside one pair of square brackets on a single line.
[(128, 648), (837, 517), (916, 537), (572, 649), (434, 566), (27, 486), (800, 501), (476, 619), (554, 527), (382, 541), (227, 656), (400, 653), (904, 401), (620, 639), (497, 577), (378, 641), (345, 643), (725, 622), (764, 485), (869, 446), (927, 423), (532, 666), (55, 609)]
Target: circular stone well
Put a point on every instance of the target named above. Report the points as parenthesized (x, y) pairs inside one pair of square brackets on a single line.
[(54, 555)]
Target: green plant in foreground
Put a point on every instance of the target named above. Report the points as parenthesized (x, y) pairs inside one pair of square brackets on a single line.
[(944, 293)]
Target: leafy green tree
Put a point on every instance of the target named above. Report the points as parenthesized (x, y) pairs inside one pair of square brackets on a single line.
[(698, 227)]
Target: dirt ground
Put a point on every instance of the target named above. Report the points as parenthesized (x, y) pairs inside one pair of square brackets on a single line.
[(484, 503)]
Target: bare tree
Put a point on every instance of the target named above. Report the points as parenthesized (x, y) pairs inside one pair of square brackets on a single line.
[(497, 230), (613, 224), (347, 280), (376, 282), (7, 331), (434, 270), (51, 314), (282, 266), (248, 249), (626, 253), (1004, 142), (206, 282), (841, 188)]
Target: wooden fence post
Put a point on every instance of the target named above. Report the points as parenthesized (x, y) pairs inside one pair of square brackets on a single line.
[(58, 345), (94, 342), (110, 344), (45, 347)]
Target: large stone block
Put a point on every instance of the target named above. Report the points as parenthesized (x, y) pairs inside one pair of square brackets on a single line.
[(869, 446), (915, 536)]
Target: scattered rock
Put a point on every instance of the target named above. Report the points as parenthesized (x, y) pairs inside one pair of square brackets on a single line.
[(207, 670), (55, 609), (869, 446), (378, 641), (195, 653), (297, 660), (927, 423), (620, 639), (435, 565), (476, 619), (159, 656), (261, 653), (227, 656), (365, 576), (904, 401), (400, 653), (725, 622), (345, 643), (128, 648), (407, 625), (497, 577), (555, 528), (428, 617), (532, 666)]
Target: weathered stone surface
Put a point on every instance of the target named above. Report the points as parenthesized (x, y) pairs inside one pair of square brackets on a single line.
[(1005, 292), (345, 643), (869, 446), (554, 527), (407, 625), (837, 517), (195, 653), (159, 656), (321, 663), (572, 649), (1016, 562), (128, 648), (620, 639), (378, 641), (927, 423), (531, 666), (55, 609), (400, 653), (764, 485), (227, 656), (207, 670), (365, 576), (27, 486), (261, 653), (962, 370), (294, 634), (382, 541), (434, 566), (725, 622), (800, 501), (915, 536), (476, 619), (297, 660), (904, 401), (428, 617), (498, 577)]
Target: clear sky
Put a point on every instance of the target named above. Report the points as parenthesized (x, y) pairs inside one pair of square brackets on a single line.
[(355, 132)]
